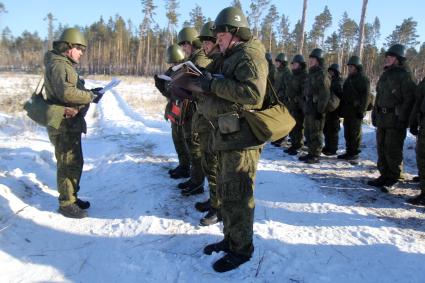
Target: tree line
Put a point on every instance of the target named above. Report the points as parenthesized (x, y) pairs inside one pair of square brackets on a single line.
[(120, 47)]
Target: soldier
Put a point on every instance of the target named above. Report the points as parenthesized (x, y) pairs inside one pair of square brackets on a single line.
[(332, 123), (175, 55), (272, 67), (316, 98), (243, 83), (188, 39), (394, 97), (281, 79), (205, 131), (64, 87), (353, 105), (295, 89), (417, 128)]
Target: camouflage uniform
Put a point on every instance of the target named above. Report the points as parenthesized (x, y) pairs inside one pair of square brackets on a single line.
[(316, 98), (394, 98), (245, 71), (63, 87), (281, 79), (296, 84), (332, 122), (354, 101)]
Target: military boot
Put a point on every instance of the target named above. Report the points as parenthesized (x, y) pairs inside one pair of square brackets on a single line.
[(229, 262), (203, 206), (418, 200), (378, 182), (291, 150), (222, 246), (328, 152), (388, 185), (211, 218), (309, 158), (82, 203), (185, 184), (415, 179), (193, 189), (347, 156), (180, 172), (72, 211)]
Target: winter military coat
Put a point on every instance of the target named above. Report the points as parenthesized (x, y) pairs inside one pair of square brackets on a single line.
[(394, 98), (417, 117), (316, 91), (281, 79), (244, 70), (296, 84), (64, 87), (355, 97)]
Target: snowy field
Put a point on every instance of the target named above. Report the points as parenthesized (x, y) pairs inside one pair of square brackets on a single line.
[(313, 223)]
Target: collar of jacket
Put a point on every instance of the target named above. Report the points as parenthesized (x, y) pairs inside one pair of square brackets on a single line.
[(315, 69)]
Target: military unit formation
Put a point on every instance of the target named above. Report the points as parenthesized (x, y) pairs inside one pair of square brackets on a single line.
[(214, 139)]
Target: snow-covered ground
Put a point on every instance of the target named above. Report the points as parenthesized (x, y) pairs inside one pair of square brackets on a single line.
[(313, 223)]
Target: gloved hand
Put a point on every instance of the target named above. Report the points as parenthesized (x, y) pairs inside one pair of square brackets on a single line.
[(98, 95), (319, 116), (204, 81), (159, 84), (359, 116)]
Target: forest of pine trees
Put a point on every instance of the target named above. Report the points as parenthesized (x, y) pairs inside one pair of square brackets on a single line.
[(121, 47)]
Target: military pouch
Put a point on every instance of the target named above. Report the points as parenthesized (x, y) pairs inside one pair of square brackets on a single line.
[(229, 123)]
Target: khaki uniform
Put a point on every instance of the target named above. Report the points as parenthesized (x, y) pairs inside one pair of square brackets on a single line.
[(394, 100), (332, 122), (245, 71), (63, 87)]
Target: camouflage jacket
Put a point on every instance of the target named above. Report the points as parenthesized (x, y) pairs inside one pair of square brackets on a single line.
[(316, 91), (244, 70), (355, 96), (64, 87), (417, 117), (295, 90), (281, 80), (336, 88), (394, 98)]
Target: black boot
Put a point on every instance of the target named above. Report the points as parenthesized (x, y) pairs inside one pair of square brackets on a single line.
[(185, 184), (229, 262), (211, 218), (72, 211), (378, 182), (203, 206), (415, 179), (222, 246), (328, 152), (418, 200), (388, 185), (349, 157), (180, 172), (309, 158), (291, 150), (193, 189), (82, 203)]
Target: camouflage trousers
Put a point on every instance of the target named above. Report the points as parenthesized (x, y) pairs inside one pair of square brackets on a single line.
[(331, 131), (353, 135), (180, 145), (192, 142), (314, 134), (389, 144), (209, 165), (236, 177), (296, 135), (420, 158), (69, 156)]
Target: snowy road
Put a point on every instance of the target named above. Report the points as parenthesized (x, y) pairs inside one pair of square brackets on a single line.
[(313, 223)]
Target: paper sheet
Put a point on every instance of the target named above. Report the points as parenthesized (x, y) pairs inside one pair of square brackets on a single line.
[(113, 83)]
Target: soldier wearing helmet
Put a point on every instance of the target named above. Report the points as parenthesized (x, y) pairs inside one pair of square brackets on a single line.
[(64, 87), (394, 100)]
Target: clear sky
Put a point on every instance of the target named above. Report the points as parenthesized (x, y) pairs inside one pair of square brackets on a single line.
[(29, 14)]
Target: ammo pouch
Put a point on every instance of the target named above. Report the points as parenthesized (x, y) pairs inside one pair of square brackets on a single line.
[(229, 123)]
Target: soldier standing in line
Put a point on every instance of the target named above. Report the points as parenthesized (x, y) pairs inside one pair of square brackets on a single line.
[(281, 79), (353, 105), (417, 128), (175, 113), (332, 122), (64, 87), (272, 67), (316, 98), (295, 90), (243, 84), (188, 39), (394, 100)]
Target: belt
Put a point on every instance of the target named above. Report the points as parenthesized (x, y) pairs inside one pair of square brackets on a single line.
[(385, 110)]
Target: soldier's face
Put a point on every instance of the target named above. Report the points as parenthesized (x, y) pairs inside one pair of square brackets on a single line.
[(312, 61), (224, 39), (277, 63), (75, 53), (208, 46), (295, 65), (187, 48), (352, 69), (390, 60)]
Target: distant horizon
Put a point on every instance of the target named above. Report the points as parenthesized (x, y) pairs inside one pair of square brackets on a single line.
[(23, 16)]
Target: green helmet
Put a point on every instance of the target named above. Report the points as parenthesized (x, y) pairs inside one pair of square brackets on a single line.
[(73, 36), (355, 61), (316, 53), (281, 57), (206, 32), (334, 67), (175, 54), (231, 16), (298, 59), (397, 50), (188, 34)]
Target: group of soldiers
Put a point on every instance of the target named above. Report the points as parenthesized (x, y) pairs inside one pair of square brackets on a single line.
[(213, 140)]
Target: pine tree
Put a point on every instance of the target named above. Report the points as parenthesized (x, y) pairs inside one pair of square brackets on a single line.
[(284, 34), (50, 29), (171, 7), (257, 7), (404, 34), (361, 29), (269, 22), (300, 41), (148, 11), (322, 22), (197, 18)]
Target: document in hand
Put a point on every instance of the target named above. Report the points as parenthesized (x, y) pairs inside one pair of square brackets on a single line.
[(113, 83), (183, 76)]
